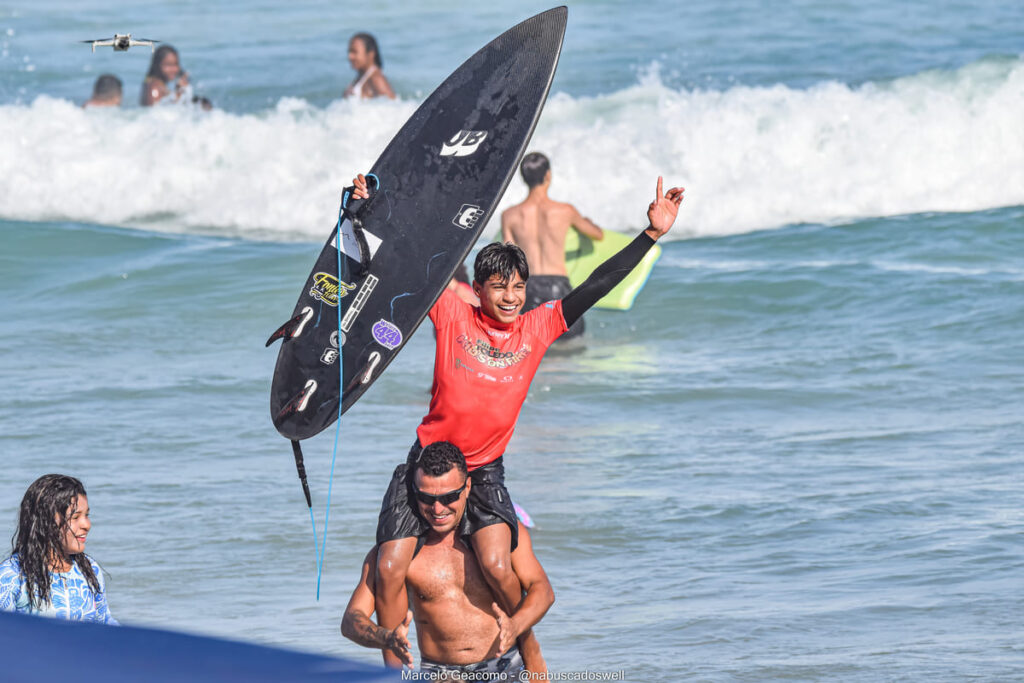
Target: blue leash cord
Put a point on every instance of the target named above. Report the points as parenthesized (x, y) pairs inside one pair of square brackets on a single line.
[(341, 390), (316, 548)]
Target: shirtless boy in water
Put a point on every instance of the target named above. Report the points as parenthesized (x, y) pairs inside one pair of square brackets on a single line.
[(538, 226), (485, 359)]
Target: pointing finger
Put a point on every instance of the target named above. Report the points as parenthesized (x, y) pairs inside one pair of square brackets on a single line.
[(659, 194)]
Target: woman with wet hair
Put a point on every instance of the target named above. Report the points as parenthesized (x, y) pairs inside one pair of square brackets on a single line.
[(48, 572), (164, 68), (364, 56)]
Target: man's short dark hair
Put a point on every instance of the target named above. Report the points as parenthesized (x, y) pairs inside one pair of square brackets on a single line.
[(500, 259), (439, 458), (106, 87), (534, 167)]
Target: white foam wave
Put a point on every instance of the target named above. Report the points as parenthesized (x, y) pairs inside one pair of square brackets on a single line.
[(274, 174), (914, 268), (750, 158)]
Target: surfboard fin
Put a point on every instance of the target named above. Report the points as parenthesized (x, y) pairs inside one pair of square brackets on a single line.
[(300, 400), (293, 328)]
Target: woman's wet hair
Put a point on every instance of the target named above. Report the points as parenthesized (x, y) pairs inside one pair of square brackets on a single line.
[(370, 44), (43, 520), (157, 60), (533, 169), (500, 259), (439, 458)]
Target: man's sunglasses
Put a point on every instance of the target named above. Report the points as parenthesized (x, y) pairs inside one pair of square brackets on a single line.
[(443, 499)]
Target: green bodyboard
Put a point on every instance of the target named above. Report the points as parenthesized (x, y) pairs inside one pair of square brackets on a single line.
[(583, 255)]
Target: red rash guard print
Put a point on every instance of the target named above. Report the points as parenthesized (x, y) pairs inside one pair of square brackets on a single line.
[(482, 373)]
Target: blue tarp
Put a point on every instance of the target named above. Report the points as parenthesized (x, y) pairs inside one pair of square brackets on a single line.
[(44, 649)]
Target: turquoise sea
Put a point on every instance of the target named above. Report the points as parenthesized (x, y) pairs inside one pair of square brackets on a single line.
[(799, 457)]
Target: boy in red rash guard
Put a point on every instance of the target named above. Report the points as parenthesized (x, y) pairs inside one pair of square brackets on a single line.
[(485, 360)]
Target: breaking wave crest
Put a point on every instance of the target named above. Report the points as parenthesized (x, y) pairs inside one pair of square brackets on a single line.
[(751, 158)]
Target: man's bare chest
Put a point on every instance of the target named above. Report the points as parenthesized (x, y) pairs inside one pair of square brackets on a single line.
[(444, 574)]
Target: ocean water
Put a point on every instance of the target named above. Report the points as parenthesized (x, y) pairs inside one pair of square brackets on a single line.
[(799, 457)]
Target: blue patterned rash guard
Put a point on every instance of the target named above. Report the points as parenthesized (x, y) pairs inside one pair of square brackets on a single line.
[(71, 597)]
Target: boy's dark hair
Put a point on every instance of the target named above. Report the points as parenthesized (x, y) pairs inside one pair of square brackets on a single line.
[(533, 169), (500, 259), (439, 458), (106, 87), (370, 45)]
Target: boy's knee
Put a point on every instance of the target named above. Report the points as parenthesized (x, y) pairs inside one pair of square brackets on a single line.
[(392, 566), (390, 573), (497, 564)]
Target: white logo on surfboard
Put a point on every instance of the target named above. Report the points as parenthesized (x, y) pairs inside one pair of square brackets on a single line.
[(463, 143), (356, 307), (468, 216)]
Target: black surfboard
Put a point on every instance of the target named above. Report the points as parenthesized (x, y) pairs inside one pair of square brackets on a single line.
[(436, 185)]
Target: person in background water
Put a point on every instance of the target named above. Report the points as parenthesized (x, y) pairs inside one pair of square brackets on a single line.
[(106, 92), (164, 68), (364, 56), (48, 572), (538, 226)]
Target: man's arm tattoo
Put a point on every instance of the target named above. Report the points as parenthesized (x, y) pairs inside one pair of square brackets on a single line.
[(367, 633)]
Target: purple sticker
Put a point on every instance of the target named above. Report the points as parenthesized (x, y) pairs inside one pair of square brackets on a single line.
[(386, 334)]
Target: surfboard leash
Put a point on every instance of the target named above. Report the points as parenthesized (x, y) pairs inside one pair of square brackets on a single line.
[(341, 384), (301, 468), (356, 218), (364, 254)]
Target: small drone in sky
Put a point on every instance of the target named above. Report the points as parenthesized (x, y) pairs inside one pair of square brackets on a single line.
[(121, 43)]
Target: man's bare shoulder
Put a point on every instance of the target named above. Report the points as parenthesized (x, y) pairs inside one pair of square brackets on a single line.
[(368, 571), (371, 559), (512, 213), (563, 207)]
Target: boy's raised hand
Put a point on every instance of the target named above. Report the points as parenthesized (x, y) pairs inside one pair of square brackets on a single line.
[(360, 184), (662, 211)]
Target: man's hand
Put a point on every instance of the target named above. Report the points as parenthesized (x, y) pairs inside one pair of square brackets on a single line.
[(662, 211), (397, 641), (508, 630)]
